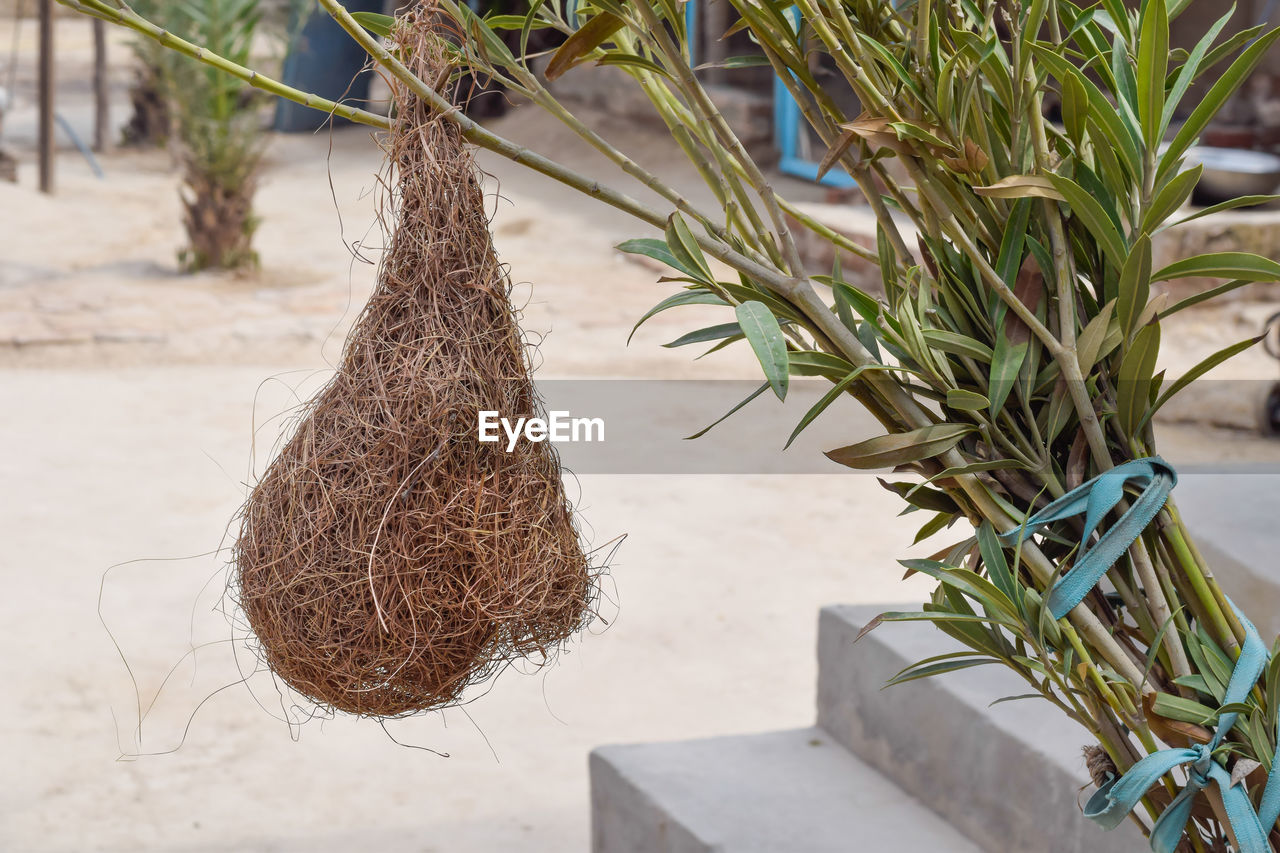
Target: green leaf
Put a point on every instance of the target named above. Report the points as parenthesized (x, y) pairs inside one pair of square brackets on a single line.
[(1087, 209), (684, 297), (993, 558), (685, 247), (887, 451), (379, 25), (974, 468), (710, 333), (1242, 265), (1170, 198), (1223, 88), (1184, 710), (824, 364), (1006, 362), (1075, 109), (921, 497), (828, 398), (957, 344), (1153, 65), (1100, 110), (651, 247), (767, 341), (582, 42), (1203, 296), (1133, 392), (756, 393), (1229, 204), (934, 525), (970, 583), (1089, 346), (1196, 372), (968, 401), (1135, 285), (749, 61), (938, 669), (628, 60), (1187, 73)]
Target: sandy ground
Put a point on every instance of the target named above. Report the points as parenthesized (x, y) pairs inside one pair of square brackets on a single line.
[(133, 395)]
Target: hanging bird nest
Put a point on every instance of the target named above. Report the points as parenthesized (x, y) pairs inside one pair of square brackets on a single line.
[(388, 559)]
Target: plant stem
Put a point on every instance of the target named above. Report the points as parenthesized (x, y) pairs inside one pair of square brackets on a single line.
[(126, 17)]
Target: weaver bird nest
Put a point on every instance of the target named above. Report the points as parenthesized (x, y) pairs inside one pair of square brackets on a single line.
[(387, 559)]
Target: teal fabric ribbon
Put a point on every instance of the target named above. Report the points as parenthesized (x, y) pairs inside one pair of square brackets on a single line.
[(1118, 797), (1095, 499), (1114, 800)]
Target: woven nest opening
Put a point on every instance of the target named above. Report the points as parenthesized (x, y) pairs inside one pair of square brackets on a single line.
[(387, 559)]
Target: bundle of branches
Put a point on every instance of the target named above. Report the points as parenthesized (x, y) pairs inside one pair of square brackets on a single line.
[(388, 559), (1011, 359)]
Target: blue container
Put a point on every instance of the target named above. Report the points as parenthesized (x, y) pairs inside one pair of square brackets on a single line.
[(323, 59)]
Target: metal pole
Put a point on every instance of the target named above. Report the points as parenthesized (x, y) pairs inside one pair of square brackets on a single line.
[(101, 101), (46, 96)]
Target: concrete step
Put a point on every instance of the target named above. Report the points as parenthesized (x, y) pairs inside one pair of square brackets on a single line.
[(1233, 518), (784, 792), (1008, 776)]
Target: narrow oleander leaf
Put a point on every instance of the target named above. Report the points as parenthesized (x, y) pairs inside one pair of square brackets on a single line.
[(582, 43), (1089, 211), (1101, 110), (993, 558), (1190, 68), (1006, 362), (1089, 346), (1075, 109), (379, 25), (1135, 285), (933, 525), (756, 393), (1196, 372), (732, 62), (1229, 204), (1134, 378), (955, 343), (887, 451), (1241, 265), (827, 399), (1153, 66), (922, 497), (969, 583), (1203, 296), (1183, 710), (717, 332), (938, 669), (971, 468), (824, 364), (651, 247), (1213, 101), (1170, 199), (685, 247), (684, 297), (767, 341), (627, 60), (968, 401)]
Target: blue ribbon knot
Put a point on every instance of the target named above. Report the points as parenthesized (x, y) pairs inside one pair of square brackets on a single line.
[(1114, 800), (1096, 498)]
